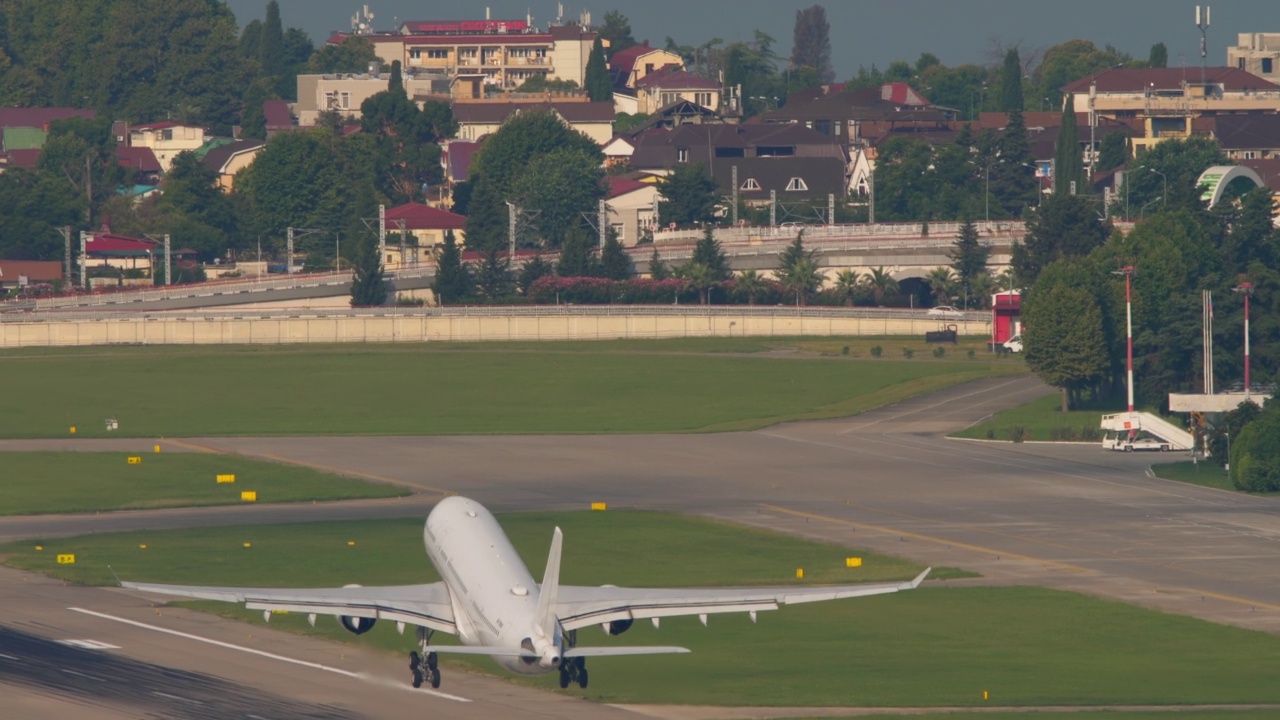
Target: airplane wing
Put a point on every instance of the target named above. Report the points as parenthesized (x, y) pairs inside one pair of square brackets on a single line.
[(580, 606), (425, 605)]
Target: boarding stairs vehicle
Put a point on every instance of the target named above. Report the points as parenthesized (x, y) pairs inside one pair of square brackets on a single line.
[(1170, 436)]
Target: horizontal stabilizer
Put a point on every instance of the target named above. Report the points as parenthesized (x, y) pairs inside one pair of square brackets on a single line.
[(491, 650), (636, 650)]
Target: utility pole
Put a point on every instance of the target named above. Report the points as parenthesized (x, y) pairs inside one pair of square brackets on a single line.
[(602, 224), (1127, 272), (66, 256), (871, 195), (773, 208), (382, 235), (1093, 126), (512, 211), (735, 195), (831, 209), (288, 257), (1204, 43), (84, 270), (168, 262), (1245, 288)]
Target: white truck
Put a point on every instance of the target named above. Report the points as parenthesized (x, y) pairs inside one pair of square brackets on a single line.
[(1014, 344)]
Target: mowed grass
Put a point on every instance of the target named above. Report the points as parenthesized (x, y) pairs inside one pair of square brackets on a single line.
[(936, 646), (1205, 472), (449, 389), (1170, 714), (65, 482), (1040, 418)]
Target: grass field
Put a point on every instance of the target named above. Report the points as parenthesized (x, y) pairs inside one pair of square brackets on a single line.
[(1172, 714), (935, 646), (1043, 419), (623, 386), (1204, 473), (53, 482)]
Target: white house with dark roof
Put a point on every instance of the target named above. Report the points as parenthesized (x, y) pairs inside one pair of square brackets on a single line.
[(167, 139), (477, 119), (672, 85)]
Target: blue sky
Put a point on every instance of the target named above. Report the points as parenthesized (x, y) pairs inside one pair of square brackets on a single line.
[(863, 32)]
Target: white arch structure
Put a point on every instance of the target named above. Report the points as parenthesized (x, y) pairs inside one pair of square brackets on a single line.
[(1215, 180)]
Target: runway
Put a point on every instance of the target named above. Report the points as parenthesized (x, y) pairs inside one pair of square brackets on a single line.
[(1074, 517)]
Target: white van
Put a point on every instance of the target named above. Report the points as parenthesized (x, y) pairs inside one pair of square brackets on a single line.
[(1014, 344)]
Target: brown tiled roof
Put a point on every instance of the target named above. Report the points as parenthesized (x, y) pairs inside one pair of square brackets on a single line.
[(417, 216), (141, 159), (1247, 132), (23, 158), (39, 117), (821, 175), (34, 270), (624, 61), (496, 112), (675, 78), (217, 158), (659, 148), (1268, 169), (277, 114), (864, 104), (1131, 80)]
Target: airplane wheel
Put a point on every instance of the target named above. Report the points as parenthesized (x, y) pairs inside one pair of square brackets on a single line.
[(433, 661), (415, 660), (435, 678), (582, 678), (417, 678), (564, 679), (580, 663)]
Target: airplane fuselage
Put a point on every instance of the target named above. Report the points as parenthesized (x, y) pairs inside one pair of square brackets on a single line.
[(494, 598)]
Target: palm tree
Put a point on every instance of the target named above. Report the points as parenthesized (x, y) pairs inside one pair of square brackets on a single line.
[(750, 284), (802, 278), (847, 285), (982, 286), (700, 277), (882, 284), (941, 283)]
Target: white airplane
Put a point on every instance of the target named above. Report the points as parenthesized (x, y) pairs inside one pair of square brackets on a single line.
[(490, 601)]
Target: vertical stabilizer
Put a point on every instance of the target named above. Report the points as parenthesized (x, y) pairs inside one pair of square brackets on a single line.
[(550, 587)]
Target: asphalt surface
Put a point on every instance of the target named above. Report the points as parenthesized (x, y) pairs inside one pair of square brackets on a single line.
[(1067, 516)]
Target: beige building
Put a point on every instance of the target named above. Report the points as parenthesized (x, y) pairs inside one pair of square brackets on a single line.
[(628, 67), (424, 229), (1257, 53), (345, 92), (631, 204), (505, 52), (669, 86), (166, 140), (227, 160), (477, 119), (1164, 102)]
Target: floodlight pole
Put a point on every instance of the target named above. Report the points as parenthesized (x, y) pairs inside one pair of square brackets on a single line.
[(1246, 289), (1127, 272)]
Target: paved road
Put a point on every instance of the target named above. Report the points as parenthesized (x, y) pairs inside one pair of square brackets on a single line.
[(1065, 516)]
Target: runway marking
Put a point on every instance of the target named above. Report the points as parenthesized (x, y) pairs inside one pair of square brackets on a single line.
[(927, 538), (83, 675), (915, 410), (89, 644), (193, 446), (8, 657), (253, 651), (351, 473), (176, 697)]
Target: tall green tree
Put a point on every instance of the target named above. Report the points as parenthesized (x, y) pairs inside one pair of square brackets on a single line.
[(798, 270), (271, 41), (367, 286), (689, 196), (598, 85), (352, 55), (708, 253), (811, 42), (1011, 82), (616, 29), (1114, 150), (1068, 164), (494, 280), (1064, 340), (968, 258), (575, 259), (1159, 56), (615, 263), (453, 279), (657, 268), (1013, 181), (1064, 226), (559, 187)]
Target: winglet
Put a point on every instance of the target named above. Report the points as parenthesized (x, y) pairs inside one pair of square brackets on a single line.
[(550, 587), (119, 582), (916, 582)]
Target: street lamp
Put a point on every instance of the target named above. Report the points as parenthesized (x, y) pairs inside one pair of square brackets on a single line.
[(1245, 288), (1166, 185), (1127, 272)]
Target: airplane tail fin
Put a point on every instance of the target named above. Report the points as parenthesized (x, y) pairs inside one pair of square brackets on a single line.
[(550, 587)]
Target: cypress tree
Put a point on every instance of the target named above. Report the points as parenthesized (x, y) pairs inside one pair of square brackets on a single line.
[(1011, 82), (271, 41), (657, 269), (614, 261), (599, 87), (453, 280), (396, 83), (1068, 166), (968, 256)]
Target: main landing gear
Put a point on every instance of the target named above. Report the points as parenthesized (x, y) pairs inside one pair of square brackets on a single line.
[(573, 670), (425, 670)]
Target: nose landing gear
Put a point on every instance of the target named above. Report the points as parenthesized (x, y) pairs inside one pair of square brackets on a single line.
[(424, 670)]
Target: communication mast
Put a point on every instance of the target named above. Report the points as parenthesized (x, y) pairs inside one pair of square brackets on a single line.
[(1203, 24), (362, 22)]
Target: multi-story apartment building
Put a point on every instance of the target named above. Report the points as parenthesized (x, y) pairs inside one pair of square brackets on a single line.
[(1257, 53), (345, 92), (506, 52)]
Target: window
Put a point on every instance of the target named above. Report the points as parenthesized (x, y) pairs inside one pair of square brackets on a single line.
[(346, 100), (1268, 66), (703, 99), (1239, 63), (1249, 155), (730, 152), (797, 185), (415, 54), (618, 233), (669, 97), (331, 100), (750, 184), (438, 54), (166, 134), (682, 155)]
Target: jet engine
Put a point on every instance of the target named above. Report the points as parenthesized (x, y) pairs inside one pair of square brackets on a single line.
[(357, 625), (617, 627)]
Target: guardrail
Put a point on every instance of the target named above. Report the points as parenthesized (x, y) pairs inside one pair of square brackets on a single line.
[(501, 311)]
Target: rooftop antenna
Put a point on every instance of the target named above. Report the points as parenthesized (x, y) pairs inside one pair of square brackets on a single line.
[(1203, 24), (362, 22)]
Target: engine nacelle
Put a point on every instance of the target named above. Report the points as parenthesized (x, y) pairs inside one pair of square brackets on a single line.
[(617, 627), (357, 625)]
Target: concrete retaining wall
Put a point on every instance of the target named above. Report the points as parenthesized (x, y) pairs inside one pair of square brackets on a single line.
[(421, 328)]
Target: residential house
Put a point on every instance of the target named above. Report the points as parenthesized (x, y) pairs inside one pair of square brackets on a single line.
[(630, 203), (166, 140), (142, 162), (1246, 137), (424, 228), (227, 160), (671, 86), (455, 159), (628, 67), (279, 117), (477, 119), (345, 92), (1165, 102), (1256, 53), (841, 114), (506, 52), (23, 132), (16, 275)]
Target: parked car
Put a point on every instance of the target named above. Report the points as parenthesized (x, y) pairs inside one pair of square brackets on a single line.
[(945, 312), (1013, 344)]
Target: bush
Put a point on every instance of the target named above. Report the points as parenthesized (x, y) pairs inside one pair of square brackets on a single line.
[(939, 351), (876, 351), (970, 354), (990, 434), (1061, 434), (1090, 433), (844, 350), (908, 353), (1017, 433)]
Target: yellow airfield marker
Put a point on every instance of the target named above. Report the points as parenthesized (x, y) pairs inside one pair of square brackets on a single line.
[(73, 429), (135, 460), (853, 562), (599, 506), (157, 448), (225, 478), (249, 496), (39, 547), (66, 559), (351, 543), (248, 545), (143, 546), (799, 573)]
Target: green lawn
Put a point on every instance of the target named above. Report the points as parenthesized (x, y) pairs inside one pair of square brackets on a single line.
[(938, 645), (54, 482), (1172, 714), (1043, 419), (444, 389), (1206, 473)]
